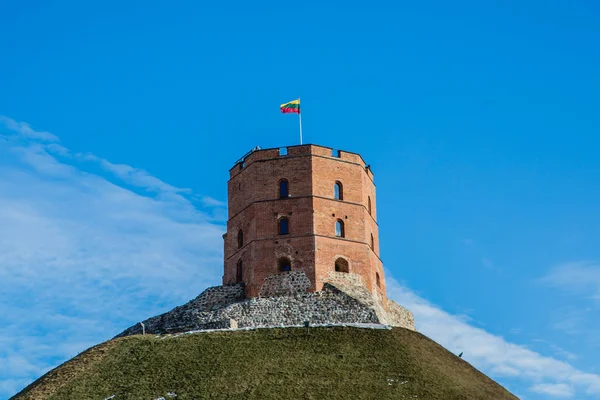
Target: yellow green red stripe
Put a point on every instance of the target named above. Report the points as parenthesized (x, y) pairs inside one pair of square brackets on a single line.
[(291, 107)]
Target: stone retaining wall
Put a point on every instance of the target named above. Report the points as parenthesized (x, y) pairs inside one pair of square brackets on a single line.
[(400, 316), (290, 283), (219, 296), (225, 307)]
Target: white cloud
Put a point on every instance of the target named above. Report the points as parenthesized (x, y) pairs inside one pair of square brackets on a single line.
[(576, 277), (559, 351), (581, 281), (25, 130), (564, 353), (504, 370), (553, 389), (128, 174), (488, 352), (137, 177), (82, 258), (209, 201)]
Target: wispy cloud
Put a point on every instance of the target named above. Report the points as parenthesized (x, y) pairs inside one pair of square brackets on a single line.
[(209, 201), (579, 283), (572, 320), (559, 351), (553, 389), (564, 353), (128, 174), (23, 129), (136, 176), (83, 255), (486, 262), (580, 277), (492, 353)]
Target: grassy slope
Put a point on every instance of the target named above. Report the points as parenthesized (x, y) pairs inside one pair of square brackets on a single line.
[(329, 363)]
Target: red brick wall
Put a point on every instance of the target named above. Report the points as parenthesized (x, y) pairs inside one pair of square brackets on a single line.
[(311, 245), (259, 180)]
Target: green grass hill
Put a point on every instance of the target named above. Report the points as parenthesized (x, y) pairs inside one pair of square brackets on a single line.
[(290, 363)]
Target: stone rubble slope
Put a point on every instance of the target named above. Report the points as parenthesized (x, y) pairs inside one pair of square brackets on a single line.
[(342, 300)]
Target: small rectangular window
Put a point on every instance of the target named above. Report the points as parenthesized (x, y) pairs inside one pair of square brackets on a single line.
[(339, 228), (283, 189), (336, 153), (283, 151), (338, 193), (284, 228)]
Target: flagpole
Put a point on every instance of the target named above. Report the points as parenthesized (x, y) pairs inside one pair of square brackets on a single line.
[(300, 119)]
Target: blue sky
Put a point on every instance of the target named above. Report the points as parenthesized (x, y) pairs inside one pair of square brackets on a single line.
[(480, 120)]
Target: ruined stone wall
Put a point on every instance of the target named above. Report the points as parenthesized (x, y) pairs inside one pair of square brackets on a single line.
[(286, 303), (219, 296), (185, 317), (400, 316), (290, 283), (353, 285), (325, 307)]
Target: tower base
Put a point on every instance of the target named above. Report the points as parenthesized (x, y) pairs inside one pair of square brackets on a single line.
[(224, 307)]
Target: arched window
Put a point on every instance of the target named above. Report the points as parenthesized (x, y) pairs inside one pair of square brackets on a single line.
[(238, 272), (369, 204), (284, 226), (285, 265), (283, 189), (339, 228), (377, 280), (341, 265), (338, 191), (372, 242), (240, 239)]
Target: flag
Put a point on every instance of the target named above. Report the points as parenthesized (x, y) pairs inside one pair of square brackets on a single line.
[(291, 107)]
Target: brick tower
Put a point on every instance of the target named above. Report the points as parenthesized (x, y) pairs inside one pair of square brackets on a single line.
[(302, 208)]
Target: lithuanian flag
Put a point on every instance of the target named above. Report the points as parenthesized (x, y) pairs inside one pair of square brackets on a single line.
[(291, 107)]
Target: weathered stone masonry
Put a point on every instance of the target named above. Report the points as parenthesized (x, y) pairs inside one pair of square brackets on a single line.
[(223, 307)]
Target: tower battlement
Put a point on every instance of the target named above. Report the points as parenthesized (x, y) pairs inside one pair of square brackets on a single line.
[(302, 208)]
